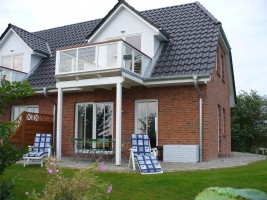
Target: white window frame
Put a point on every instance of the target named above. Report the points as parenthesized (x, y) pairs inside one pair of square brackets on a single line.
[(124, 36), (136, 116), (12, 59), (25, 107), (94, 117)]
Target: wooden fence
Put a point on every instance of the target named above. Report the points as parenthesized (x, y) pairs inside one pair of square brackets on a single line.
[(28, 124)]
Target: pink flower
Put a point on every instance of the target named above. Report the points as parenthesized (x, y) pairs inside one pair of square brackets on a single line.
[(27, 193), (52, 163), (50, 171), (109, 189), (101, 166), (57, 170)]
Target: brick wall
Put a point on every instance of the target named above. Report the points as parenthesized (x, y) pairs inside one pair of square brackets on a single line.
[(178, 113), (218, 94)]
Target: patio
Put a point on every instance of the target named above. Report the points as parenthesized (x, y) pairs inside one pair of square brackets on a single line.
[(237, 159)]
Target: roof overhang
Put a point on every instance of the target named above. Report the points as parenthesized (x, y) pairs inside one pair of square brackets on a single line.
[(230, 70)]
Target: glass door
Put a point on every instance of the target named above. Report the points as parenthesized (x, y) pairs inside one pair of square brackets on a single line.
[(84, 123), (94, 121), (146, 119)]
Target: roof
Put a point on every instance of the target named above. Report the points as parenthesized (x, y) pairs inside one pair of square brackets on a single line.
[(191, 49), (33, 41), (120, 2)]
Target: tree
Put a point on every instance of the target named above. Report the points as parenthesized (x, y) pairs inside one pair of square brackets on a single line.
[(249, 122), (10, 92)]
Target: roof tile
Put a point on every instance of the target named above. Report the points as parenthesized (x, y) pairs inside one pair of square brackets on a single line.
[(191, 50)]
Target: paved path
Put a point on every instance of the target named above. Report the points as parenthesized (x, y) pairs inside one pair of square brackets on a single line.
[(237, 159)]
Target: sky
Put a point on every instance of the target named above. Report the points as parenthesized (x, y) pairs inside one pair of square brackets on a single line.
[(244, 22)]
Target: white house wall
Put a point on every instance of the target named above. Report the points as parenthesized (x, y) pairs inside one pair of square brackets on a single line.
[(35, 60), (124, 20)]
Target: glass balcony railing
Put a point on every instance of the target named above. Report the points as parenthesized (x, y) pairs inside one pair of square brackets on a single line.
[(11, 75), (101, 56)]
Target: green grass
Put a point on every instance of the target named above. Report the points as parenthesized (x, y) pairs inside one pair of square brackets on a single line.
[(176, 185)]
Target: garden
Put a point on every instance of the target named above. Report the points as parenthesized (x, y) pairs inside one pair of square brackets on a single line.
[(173, 185)]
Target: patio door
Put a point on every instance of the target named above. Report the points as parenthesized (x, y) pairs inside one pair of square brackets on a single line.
[(94, 121), (146, 119)]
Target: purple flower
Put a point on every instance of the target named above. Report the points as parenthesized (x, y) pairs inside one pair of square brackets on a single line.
[(50, 171), (52, 163), (57, 170), (109, 189), (27, 193), (101, 166)]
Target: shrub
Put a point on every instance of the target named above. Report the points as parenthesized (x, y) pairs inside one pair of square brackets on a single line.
[(85, 184)]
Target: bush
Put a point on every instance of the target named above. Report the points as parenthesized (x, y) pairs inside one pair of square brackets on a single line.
[(9, 153), (85, 184)]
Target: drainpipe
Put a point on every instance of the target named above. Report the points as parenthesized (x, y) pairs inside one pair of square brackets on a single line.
[(200, 118), (54, 113)]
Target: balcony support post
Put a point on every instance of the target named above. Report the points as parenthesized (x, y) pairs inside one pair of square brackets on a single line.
[(59, 123), (118, 122)]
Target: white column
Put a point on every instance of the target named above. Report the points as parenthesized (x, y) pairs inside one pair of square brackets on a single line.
[(118, 122), (59, 122)]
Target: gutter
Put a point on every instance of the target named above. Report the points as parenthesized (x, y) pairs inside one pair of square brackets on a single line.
[(54, 113), (195, 77)]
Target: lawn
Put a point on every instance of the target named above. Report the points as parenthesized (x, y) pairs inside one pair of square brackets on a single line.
[(175, 185)]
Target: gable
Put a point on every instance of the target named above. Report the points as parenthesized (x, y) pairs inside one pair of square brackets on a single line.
[(126, 23), (13, 44)]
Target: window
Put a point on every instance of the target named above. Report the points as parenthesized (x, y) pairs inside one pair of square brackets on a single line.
[(222, 65), (220, 62), (94, 121), (219, 128), (224, 122), (134, 41), (17, 110), (13, 62), (6, 61), (18, 62), (146, 119)]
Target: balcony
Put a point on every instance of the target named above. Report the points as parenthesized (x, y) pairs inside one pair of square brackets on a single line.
[(11, 74), (99, 58)]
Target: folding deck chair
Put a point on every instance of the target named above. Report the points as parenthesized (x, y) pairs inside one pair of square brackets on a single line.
[(145, 156), (40, 150)]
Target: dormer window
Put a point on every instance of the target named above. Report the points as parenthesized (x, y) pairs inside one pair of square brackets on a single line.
[(14, 61)]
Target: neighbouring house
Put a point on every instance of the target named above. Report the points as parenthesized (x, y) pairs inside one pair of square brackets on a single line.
[(164, 72)]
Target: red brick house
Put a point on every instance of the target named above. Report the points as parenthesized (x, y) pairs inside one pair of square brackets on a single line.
[(165, 72)]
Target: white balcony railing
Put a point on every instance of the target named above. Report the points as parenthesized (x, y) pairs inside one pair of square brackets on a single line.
[(11, 75), (101, 56)]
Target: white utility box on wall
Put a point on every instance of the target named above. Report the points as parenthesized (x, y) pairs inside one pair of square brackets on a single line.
[(181, 153)]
